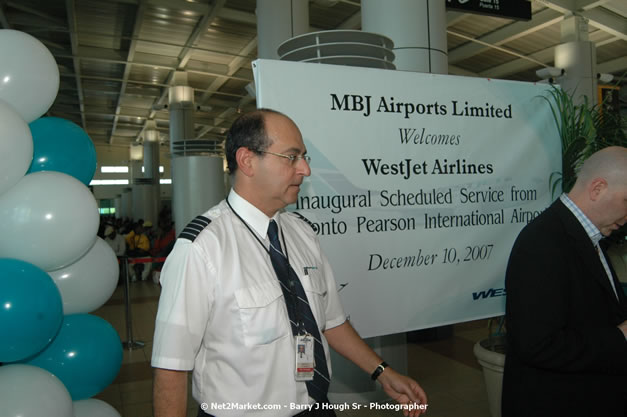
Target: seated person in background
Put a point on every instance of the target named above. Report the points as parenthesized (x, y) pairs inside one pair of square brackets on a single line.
[(139, 246), (118, 244), (129, 234), (137, 240), (116, 241), (164, 241), (149, 231)]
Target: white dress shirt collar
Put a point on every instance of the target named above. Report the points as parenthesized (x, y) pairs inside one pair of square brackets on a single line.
[(593, 232), (254, 217)]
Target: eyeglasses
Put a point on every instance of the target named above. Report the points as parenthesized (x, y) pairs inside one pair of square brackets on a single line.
[(293, 158)]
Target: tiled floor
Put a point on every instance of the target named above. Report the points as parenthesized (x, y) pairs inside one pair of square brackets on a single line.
[(446, 369)]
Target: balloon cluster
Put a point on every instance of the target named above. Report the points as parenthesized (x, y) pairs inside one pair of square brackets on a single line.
[(53, 268)]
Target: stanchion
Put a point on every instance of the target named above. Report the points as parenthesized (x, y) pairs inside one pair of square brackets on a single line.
[(130, 344)]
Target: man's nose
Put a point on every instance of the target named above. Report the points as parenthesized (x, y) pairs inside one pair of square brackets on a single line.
[(304, 168)]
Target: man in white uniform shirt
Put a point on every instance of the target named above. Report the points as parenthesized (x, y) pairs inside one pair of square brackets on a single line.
[(223, 313)]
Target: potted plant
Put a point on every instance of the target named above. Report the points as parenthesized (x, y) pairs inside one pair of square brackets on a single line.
[(583, 130), (490, 354)]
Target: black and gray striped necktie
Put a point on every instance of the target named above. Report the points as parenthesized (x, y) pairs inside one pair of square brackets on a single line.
[(298, 307)]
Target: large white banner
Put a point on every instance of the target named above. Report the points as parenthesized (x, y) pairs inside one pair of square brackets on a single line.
[(420, 183)]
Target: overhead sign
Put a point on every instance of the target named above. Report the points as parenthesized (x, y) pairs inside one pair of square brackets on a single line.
[(420, 183), (512, 9)]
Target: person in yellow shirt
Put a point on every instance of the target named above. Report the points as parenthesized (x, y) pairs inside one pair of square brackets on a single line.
[(139, 246), (137, 240)]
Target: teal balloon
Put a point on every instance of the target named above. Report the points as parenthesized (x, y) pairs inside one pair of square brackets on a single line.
[(63, 146), (31, 310), (86, 355)]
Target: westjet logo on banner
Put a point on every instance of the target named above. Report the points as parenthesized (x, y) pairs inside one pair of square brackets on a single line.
[(489, 293)]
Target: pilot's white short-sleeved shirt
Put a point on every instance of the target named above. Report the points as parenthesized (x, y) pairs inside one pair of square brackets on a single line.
[(222, 313)]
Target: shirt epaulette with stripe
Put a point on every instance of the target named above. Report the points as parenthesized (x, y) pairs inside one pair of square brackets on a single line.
[(306, 220), (193, 228)]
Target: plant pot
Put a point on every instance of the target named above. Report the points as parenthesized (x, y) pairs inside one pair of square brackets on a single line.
[(490, 354)]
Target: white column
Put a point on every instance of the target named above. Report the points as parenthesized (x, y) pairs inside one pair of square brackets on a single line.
[(136, 157), (194, 185), (198, 185), (278, 21), (144, 196), (151, 151), (151, 176), (118, 206), (417, 28), (127, 203), (577, 56), (137, 201)]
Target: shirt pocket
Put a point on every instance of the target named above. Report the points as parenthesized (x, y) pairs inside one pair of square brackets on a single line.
[(316, 290), (262, 313)]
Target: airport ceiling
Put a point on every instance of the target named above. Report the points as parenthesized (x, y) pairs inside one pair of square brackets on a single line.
[(117, 58)]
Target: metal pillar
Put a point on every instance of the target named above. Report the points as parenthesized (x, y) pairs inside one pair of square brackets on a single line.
[(417, 28), (144, 197), (201, 188), (151, 172), (135, 206), (130, 343), (141, 197), (197, 176), (136, 163), (127, 203), (278, 21), (118, 207), (577, 56)]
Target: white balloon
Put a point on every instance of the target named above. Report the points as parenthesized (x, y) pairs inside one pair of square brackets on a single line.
[(89, 282), (16, 147), (29, 391), (93, 407), (29, 75), (49, 219)]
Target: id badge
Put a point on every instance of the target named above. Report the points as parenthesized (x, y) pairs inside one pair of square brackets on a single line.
[(304, 357)]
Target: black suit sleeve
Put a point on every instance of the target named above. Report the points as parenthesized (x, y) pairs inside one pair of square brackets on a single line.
[(557, 318)]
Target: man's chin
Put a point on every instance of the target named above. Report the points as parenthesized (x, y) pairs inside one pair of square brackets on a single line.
[(292, 195), (608, 230)]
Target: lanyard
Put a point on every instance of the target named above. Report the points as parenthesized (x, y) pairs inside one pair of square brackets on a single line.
[(300, 324), (252, 232)]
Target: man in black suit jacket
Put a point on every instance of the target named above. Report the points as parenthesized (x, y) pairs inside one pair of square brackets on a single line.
[(566, 312)]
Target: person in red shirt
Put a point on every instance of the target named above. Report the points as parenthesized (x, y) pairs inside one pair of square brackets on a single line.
[(164, 241)]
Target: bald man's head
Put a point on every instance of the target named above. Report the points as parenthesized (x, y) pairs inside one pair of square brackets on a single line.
[(609, 163), (601, 188)]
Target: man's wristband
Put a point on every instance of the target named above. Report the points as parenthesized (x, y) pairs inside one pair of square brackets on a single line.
[(378, 370)]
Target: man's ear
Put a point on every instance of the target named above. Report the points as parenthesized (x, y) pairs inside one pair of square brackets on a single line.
[(596, 188), (245, 159)]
